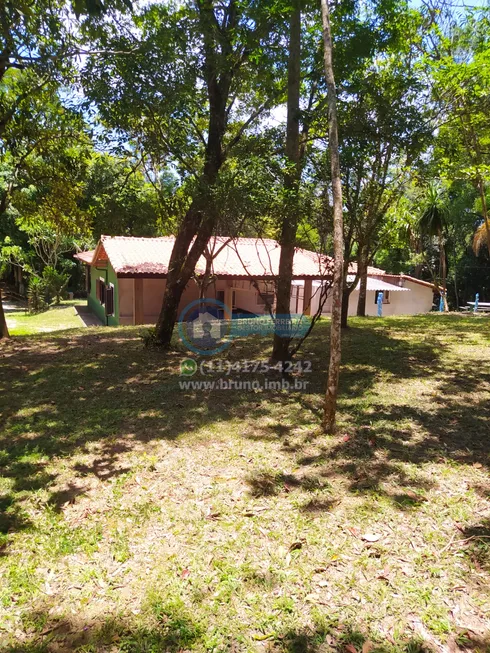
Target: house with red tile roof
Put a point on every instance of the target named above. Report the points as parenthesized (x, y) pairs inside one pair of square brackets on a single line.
[(126, 279)]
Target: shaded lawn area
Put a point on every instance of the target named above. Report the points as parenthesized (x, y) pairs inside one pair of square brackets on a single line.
[(56, 318), (137, 516)]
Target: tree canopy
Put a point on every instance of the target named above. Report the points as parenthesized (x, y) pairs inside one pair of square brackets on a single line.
[(171, 118)]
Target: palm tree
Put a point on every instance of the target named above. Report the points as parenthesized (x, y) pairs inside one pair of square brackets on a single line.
[(432, 223), (482, 237)]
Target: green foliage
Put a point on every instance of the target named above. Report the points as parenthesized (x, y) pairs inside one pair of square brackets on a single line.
[(413, 104), (121, 201), (149, 337), (168, 120), (36, 295), (55, 284), (434, 217)]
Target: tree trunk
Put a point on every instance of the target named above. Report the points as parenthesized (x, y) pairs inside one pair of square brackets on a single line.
[(443, 270), (182, 263), (363, 270), (201, 218), (330, 407), (4, 331), (289, 228), (456, 292), (347, 289), (344, 317), (205, 281)]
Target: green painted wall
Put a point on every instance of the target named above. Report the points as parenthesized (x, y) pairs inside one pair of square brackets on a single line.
[(110, 277)]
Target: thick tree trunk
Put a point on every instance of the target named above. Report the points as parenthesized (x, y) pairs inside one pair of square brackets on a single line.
[(4, 331), (200, 220), (330, 407), (190, 243), (363, 269), (291, 181)]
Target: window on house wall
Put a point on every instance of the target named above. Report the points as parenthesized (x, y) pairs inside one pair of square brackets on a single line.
[(109, 300), (386, 296), (100, 291), (220, 296)]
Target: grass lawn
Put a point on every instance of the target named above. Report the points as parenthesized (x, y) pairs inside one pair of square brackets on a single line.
[(140, 517), (57, 318)]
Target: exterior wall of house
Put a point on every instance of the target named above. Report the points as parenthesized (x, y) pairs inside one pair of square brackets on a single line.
[(245, 296), (153, 290), (372, 306), (418, 300), (126, 301), (109, 277), (315, 300)]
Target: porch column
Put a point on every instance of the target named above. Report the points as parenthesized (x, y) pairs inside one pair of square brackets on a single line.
[(307, 297), (138, 301), (228, 300)]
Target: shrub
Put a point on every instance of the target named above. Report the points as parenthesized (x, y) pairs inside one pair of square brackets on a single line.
[(55, 283), (36, 295), (149, 337)]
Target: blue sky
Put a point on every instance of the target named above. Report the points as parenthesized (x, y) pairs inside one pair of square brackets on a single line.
[(457, 4)]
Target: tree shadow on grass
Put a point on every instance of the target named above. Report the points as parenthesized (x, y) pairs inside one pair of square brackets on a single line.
[(380, 443), (178, 631), (100, 392), (450, 424), (476, 544), (265, 484)]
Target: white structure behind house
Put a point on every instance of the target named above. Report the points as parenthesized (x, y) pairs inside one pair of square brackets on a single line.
[(407, 296)]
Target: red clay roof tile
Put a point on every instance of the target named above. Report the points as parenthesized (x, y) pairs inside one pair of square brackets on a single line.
[(233, 257)]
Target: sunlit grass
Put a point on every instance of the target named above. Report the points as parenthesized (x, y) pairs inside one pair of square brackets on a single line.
[(140, 517), (56, 318)]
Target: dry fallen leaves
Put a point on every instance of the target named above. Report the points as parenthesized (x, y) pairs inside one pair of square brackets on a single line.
[(296, 545)]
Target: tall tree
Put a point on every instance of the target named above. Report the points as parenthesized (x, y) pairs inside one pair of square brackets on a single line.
[(37, 44), (200, 76), (433, 223), (458, 58), (289, 227), (381, 121), (382, 135), (330, 407)]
